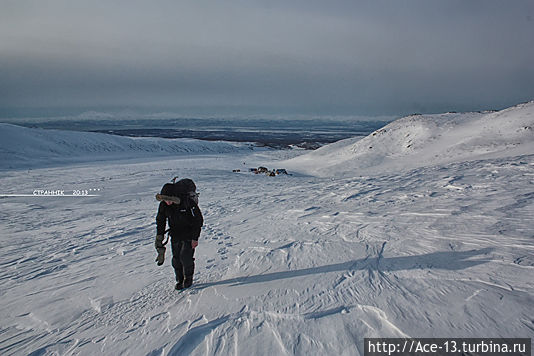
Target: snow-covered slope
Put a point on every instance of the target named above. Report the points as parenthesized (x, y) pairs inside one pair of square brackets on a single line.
[(22, 147), (422, 140), (287, 265)]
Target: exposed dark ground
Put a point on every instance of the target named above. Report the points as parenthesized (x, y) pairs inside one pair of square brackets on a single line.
[(278, 133), (304, 139)]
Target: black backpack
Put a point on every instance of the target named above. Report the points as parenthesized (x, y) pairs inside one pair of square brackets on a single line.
[(189, 213), (180, 192), (186, 190)]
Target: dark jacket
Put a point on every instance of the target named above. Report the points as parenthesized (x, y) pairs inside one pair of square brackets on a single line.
[(185, 220)]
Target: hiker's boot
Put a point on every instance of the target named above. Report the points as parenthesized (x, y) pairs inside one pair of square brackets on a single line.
[(178, 270), (179, 286), (188, 281)]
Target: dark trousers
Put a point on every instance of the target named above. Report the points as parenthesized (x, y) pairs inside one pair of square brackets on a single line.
[(183, 261)]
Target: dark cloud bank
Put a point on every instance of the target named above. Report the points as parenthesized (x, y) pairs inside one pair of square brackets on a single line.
[(317, 57)]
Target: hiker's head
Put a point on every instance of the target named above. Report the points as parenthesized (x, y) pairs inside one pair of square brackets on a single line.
[(168, 190)]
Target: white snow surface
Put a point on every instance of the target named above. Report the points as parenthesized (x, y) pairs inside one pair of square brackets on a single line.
[(286, 265), (425, 140), (22, 147)]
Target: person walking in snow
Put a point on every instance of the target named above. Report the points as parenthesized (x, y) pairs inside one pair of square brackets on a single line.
[(179, 206)]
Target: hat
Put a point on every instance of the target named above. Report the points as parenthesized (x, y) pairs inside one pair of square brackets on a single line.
[(168, 193)]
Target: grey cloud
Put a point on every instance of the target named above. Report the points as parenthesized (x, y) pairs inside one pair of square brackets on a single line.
[(368, 57)]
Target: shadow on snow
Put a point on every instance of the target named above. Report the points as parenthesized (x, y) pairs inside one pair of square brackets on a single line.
[(450, 260)]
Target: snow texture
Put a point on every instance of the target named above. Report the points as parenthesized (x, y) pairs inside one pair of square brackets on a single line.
[(22, 147), (435, 240), (425, 140)]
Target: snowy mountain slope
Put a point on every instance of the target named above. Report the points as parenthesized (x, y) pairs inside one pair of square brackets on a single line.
[(22, 147), (290, 265), (424, 140)]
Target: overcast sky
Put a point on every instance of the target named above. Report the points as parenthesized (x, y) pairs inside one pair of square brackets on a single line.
[(330, 57)]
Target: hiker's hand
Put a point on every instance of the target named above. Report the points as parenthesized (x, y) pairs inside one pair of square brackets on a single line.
[(161, 256), (159, 242), (194, 243), (161, 250)]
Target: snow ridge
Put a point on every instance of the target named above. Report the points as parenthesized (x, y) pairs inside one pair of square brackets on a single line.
[(424, 140), (22, 147)]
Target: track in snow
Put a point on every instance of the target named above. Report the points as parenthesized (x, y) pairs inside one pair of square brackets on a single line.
[(286, 265)]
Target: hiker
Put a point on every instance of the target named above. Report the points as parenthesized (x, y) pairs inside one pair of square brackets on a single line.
[(179, 205)]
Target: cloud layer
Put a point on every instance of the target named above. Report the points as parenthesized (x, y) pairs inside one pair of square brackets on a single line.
[(363, 57)]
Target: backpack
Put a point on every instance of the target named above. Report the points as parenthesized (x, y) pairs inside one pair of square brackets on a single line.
[(186, 190), (189, 215), (179, 192)]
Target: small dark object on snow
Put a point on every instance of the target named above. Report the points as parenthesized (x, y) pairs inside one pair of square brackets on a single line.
[(281, 171), (236, 170)]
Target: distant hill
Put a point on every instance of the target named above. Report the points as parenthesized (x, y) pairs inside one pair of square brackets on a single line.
[(424, 140), (22, 147)]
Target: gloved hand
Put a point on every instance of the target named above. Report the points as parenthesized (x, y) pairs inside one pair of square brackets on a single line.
[(161, 250), (194, 244), (161, 256), (159, 242)]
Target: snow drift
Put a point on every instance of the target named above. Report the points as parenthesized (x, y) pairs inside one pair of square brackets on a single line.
[(22, 147), (423, 140), (290, 265)]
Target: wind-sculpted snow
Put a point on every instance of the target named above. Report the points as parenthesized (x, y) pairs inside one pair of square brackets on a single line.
[(425, 140), (286, 265), (22, 147)]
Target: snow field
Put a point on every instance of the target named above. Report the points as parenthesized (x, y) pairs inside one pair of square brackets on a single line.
[(426, 140), (431, 240), (22, 147), (287, 265)]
